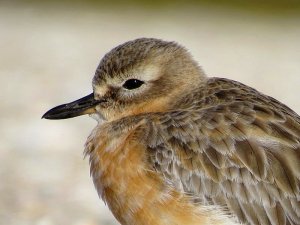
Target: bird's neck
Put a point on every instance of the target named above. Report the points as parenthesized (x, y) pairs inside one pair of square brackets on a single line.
[(135, 193)]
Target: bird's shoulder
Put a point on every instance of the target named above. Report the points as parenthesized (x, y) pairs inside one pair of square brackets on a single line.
[(220, 92)]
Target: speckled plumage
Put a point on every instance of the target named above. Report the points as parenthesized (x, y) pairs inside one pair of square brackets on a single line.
[(187, 149)]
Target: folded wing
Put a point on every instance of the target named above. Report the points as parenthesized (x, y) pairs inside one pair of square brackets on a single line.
[(242, 155)]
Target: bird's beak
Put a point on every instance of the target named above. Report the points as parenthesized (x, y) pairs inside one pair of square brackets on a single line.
[(85, 105)]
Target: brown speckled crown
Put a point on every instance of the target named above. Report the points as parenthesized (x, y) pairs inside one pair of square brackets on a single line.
[(129, 54)]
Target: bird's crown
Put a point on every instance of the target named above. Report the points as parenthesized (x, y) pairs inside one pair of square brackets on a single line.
[(132, 53)]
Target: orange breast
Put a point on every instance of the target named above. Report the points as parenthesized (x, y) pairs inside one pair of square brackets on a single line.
[(134, 192)]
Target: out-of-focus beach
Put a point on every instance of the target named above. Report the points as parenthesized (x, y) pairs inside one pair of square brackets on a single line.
[(48, 55)]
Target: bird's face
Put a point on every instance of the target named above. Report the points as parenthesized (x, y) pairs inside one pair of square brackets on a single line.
[(137, 77), (135, 91)]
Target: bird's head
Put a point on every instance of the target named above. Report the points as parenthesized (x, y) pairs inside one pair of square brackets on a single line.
[(139, 76)]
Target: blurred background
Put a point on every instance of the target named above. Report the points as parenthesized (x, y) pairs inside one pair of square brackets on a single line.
[(49, 51)]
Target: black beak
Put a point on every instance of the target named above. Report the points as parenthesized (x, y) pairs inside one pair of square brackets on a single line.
[(85, 105)]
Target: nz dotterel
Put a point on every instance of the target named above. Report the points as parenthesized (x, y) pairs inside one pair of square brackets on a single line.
[(175, 147)]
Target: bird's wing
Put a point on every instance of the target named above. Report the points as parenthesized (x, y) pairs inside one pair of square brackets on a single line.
[(243, 155)]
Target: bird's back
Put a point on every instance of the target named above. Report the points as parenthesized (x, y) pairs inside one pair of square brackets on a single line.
[(231, 146)]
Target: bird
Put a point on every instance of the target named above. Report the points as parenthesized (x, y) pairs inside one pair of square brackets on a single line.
[(173, 146)]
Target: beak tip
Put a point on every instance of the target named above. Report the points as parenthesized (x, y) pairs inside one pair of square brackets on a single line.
[(52, 115), (46, 116)]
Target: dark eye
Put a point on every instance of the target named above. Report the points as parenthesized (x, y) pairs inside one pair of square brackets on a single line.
[(132, 84)]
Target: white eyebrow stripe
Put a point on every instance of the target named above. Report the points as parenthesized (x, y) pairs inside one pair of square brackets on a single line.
[(148, 72), (145, 73)]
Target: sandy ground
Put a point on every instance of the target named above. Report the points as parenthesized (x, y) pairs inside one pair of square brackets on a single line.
[(48, 56)]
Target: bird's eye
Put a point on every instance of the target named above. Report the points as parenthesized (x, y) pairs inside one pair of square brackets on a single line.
[(132, 84)]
